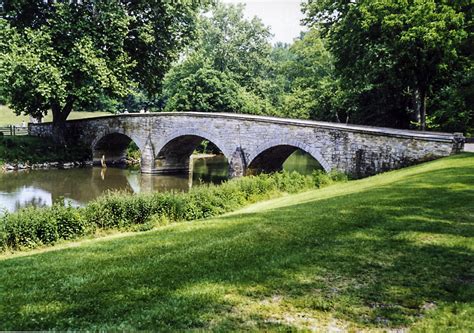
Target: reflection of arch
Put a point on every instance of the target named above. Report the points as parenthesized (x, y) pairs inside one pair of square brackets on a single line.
[(270, 155), (173, 152), (113, 146)]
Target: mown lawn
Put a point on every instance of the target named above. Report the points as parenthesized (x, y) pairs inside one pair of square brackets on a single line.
[(7, 117), (391, 251)]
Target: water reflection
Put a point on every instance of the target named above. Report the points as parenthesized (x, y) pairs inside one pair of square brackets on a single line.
[(302, 163), (79, 186)]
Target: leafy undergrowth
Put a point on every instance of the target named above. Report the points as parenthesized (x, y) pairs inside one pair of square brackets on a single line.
[(22, 149), (390, 251), (33, 227)]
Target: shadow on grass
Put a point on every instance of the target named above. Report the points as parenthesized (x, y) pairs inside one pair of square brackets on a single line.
[(379, 257)]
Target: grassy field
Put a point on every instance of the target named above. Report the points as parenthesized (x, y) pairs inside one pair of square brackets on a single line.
[(7, 117), (391, 251)]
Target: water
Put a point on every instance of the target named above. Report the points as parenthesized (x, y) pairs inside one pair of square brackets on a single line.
[(79, 186)]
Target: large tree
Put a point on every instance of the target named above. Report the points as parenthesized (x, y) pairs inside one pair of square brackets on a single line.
[(395, 54), (61, 55), (312, 89), (233, 52)]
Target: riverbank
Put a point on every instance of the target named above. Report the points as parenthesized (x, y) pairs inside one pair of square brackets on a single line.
[(8, 167), (34, 227), (23, 152), (390, 252)]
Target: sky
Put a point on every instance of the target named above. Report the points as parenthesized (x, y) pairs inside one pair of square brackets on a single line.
[(282, 16)]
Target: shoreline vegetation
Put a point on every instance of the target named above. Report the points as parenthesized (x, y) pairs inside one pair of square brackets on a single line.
[(33, 153), (23, 152), (33, 227), (392, 252), (26, 152)]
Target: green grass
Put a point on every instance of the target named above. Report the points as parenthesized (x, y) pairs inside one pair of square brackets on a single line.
[(7, 117), (391, 251)]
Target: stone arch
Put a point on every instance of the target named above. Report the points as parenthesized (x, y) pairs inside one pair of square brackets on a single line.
[(113, 146), (172, 154), (279, 150)]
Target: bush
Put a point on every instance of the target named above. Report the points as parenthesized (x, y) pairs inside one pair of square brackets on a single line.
[(32, 227), (23, 149)]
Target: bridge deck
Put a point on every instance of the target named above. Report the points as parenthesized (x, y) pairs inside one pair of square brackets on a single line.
[(437, 136)]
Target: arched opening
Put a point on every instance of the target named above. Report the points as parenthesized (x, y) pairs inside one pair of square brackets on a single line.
[(192, 154), (284, 157), (114, 149)]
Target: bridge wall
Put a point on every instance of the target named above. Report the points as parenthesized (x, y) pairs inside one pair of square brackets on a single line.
[(356, 150)]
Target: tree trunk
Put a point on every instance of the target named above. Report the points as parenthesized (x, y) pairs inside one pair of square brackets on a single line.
[(417, 106), (423, 100), (59, 120)]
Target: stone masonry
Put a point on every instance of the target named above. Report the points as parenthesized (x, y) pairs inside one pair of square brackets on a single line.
[(250, 143)]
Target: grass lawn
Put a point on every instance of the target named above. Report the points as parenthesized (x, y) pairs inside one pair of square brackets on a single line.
[(7, 117), (391, 251)]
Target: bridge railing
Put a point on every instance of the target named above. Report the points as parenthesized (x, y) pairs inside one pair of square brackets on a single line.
[(13, 130)]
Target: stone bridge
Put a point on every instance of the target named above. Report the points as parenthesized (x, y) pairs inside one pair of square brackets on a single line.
[(255, 143)]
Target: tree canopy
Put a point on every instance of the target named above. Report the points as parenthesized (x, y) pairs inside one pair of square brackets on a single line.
[(234, 55), (393, 55), (62, 55), (396, 63)]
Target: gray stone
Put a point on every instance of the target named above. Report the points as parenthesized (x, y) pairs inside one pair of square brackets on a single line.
[(254, 143)]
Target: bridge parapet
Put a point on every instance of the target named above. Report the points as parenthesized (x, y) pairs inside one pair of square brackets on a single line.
[(167, 139)]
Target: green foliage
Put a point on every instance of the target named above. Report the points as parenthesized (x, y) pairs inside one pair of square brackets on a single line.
[(52, 66), (393, 56), (63, 55), (207, 90), (453, 105), (233, 44), (225, 69), (307, 86), (133, 153), (32, 227), (22, 149)]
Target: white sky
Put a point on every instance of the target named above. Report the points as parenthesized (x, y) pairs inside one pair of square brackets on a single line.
[(282, 16)]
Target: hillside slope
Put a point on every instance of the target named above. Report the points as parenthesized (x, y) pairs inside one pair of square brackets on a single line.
[(391, 251)]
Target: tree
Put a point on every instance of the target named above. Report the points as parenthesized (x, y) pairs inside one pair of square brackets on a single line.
[(310, 89), (62, 55), (209, 90), (394, 53), (206, 90), (234, 44), (230, 52)]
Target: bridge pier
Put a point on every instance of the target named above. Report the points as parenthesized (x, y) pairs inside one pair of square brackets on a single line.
[(237, 165), (147, 163)]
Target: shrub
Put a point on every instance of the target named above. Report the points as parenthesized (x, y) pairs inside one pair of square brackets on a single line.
[(322, 179), (32, 227)]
